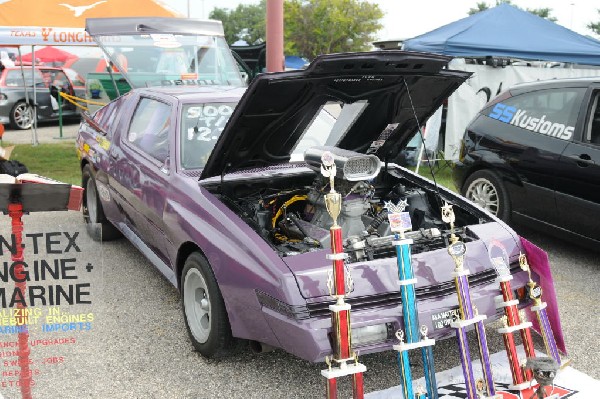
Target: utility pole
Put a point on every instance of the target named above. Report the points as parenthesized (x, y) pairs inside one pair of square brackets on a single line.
[(275, 58)]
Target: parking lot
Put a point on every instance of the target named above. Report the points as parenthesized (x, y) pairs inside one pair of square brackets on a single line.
[(141, 350)]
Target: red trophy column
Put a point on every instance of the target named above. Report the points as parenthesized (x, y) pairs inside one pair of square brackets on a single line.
[(514, 321), (343, 361)]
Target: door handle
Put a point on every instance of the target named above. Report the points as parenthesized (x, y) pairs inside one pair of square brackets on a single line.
[(114, 155), (582, 160)]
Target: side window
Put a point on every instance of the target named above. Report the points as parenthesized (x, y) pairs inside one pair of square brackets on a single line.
[(14, 78), (592, 134), (551, 112), (149, 128), (105, 117)]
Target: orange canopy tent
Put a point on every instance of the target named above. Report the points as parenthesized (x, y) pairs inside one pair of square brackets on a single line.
[(62, 22), (73, 13)]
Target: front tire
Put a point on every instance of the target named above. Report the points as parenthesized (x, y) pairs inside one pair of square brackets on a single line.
[(486, 189), (97, 226), (204, 309), (21, 116)]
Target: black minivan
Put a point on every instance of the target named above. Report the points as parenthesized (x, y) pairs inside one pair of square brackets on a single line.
[(532, 156)]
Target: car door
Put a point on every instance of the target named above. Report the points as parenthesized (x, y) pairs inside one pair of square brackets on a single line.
[(140, 170), (530, 132), (578, 174), (41, 79), (60, 83)]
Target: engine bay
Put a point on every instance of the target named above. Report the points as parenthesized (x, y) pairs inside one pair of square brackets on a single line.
[(289, 211)]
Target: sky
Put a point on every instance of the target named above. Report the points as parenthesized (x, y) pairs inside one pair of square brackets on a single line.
[(405, 19)]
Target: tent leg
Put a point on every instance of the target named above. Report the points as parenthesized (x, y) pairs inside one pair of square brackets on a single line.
[(34, 138)]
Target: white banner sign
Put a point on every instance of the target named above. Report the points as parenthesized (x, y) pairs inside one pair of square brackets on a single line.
[(44, 36), (485, 83)]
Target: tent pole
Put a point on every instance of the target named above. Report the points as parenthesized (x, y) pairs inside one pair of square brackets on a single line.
[(419, 158), (34, 140), (25, 86)]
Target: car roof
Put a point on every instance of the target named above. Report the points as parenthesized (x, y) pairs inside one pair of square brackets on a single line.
[(190, 94), (555, 83), (28, 67)]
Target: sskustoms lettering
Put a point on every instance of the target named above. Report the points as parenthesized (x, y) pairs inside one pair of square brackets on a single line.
[(518, 117)]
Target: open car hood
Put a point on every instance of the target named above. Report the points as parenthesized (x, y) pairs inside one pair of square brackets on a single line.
[(277, 108), (151, 25)]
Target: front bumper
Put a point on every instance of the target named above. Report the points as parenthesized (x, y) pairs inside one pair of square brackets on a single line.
[(309, 338)]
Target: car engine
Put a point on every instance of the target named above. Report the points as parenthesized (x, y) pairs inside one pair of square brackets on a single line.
[(290, 212)]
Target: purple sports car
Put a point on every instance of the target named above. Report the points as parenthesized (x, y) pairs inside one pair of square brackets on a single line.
[(219, 187)]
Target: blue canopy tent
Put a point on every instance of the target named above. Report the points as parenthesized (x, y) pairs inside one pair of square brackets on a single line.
[(506, 31)]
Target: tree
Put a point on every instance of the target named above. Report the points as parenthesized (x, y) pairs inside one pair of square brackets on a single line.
[(246, 22), (543, 13), (595, 26), (314, 27), (482, 6), (540, 12)]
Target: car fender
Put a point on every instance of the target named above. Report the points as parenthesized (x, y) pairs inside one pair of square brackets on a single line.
[(242, 262), (484, 159)]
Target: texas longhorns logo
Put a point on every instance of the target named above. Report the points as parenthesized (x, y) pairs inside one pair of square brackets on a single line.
[(45, 33), (79, 10)]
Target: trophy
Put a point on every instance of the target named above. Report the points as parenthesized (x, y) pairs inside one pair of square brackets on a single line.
[(539, 307), (468, 316), (513, 321), (544, 370), (416, 337), (344, 358)]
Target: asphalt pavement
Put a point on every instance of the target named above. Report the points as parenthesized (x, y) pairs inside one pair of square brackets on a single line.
[(139, 347)]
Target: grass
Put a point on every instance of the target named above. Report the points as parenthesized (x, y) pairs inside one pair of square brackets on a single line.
[(442, 172), (57, 161)]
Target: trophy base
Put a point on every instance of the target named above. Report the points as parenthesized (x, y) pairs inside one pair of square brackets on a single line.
[(510, 329), (502, 304), (523, 385), (407, 282), (406, 241), (468, 322), (344, 370), (407, 347), (339, 308), (458, 273)]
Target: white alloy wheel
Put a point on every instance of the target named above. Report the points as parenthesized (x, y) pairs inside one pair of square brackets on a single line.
[(482, 192), (196, 302)]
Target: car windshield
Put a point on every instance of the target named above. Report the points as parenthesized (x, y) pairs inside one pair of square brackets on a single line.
[(201, 126), (167, 59)]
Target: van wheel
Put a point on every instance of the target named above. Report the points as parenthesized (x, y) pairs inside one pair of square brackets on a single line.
[(96, 224), (204, 310), (485, 188)]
